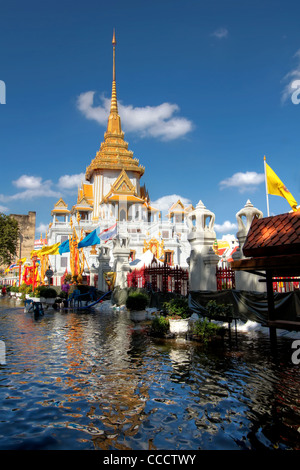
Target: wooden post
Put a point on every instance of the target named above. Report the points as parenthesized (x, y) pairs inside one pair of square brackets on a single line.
[(271, 306)]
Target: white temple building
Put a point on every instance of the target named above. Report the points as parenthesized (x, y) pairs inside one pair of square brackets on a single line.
[(113, 193)]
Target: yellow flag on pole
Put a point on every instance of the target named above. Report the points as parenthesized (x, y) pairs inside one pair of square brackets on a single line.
[(47, 250), (276, 187)]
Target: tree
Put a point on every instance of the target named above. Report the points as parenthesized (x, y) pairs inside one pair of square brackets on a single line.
[(9, 237)]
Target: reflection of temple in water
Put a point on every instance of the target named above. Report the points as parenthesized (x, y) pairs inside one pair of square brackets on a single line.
[(113, 386)]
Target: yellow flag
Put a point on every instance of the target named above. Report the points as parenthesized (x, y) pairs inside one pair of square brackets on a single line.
[(47, 250), (276, 187), (50, 250)]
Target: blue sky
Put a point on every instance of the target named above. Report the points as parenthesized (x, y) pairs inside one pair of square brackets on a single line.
[(204, 92)]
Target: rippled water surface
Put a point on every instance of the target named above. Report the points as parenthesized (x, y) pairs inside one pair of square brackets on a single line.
[(96, 380)]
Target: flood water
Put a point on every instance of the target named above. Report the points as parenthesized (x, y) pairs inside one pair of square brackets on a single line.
[(95, 380)]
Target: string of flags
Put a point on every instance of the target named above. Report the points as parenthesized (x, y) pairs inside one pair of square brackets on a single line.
[(93, 238)]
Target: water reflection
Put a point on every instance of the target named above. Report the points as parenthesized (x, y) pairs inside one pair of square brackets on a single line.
[(97, 380)]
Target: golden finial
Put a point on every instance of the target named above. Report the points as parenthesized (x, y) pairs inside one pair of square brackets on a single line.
[(114, 42), (114, 104)]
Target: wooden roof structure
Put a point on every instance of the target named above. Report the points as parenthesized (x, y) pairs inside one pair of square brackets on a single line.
[(273, 244), (272, 248)]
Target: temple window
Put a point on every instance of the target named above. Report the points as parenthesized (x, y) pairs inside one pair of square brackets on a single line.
[(178, 218), (122, 215), (84, 215)]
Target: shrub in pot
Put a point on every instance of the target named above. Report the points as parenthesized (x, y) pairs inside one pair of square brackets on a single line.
[(136, 303), (159, 326), (206, 330), (48, 292), (178, 307), (178, 314), (219, 311)]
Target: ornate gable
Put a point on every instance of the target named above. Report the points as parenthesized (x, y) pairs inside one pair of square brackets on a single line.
[(82, 205), (60, 207), (123, 184), (123, 187)]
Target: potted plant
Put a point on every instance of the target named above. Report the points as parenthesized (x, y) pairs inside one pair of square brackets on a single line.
[(13, 291), (219, 311), (206, 331), (37, 296), (28, 291), (136, 303), (159, 326), (49, 295), (18, 292), (178, 314)]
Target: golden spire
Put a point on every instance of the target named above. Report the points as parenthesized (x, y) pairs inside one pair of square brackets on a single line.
[(114, 104), (113, 152)]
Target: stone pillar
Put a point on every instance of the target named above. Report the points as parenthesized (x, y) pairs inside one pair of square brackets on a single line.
[(121, 252), (103, 267), (202, 259), (245, 280)]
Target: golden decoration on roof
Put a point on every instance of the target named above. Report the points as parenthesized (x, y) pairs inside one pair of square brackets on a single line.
[(113, 152), (156, 247), (60, 207), (123, 188)]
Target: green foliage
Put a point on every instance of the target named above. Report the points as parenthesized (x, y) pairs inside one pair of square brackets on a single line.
[(205, 329), (159, 326), (137, 301), (9, 237), (218, 310), (23, 288), (178, 307), (47, 292), (14, 289)]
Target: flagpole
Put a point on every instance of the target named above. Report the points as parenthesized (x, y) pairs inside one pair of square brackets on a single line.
[(267, 195)]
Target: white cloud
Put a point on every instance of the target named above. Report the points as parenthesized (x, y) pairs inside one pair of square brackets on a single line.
[(247, 181), (291, 78), (149, 121), (28, 182), (220, 33), (226, 227), (34, 187), (71, 181), (42, 229), (164, 203)]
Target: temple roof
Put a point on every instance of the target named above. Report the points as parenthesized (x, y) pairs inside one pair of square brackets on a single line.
[(86, 191), (271, 236), (179, 208), (113, 153), (82, 205), (272, 244), (60, 208)]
